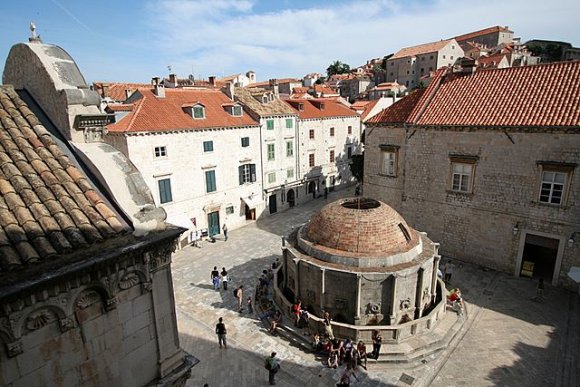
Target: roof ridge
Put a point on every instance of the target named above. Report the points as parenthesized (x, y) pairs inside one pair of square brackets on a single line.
[(427, 96), (135, 112)]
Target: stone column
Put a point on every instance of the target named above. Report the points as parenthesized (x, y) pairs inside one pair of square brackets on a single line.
[(357, 311), (322, 289), (419, 293), (436, 260), (393, 311)]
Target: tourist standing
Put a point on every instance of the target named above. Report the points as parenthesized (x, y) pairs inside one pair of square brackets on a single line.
[(327, 326), (296, 309), (215, 278), (224, 275), (221, 331), (447, 271), (272, 364), (540, 291), (239, 293), (250, 307), (225, 230), (377, 342)]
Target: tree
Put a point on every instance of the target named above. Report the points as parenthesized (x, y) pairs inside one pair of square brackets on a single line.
[(357, 166), (337, 67)]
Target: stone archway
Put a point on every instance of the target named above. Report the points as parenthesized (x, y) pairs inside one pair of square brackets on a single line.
[(291, 198)]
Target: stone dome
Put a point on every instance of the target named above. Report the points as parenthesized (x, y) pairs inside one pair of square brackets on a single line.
[(361, 227)]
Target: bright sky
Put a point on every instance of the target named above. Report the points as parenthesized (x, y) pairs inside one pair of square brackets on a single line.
[(134, 40)]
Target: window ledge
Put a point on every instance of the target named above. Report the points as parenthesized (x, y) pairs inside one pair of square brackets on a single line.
[(385, 175), (459, 193)]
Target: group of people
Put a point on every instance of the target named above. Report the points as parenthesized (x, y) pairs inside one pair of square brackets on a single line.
[(219, 279)]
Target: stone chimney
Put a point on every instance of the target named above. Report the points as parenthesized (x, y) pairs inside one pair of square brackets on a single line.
[(159, 90), (104, 90), (173, 79), (274, 86), (228, 90), (212, 80)]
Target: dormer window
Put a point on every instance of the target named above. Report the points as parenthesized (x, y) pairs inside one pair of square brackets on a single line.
[(301, 107), (198, 111), (236, 110)]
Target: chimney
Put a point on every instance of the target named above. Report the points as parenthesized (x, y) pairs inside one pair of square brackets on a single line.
[(274, 86), (104, 90), (159, 90), (173, 79), (228, 90), (212, 80)]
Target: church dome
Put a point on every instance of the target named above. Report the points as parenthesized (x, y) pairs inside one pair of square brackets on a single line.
[(361, 227)]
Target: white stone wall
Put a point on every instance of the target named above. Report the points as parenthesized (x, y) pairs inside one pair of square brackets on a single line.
[(323, 143), (186, 164), (479, 227)]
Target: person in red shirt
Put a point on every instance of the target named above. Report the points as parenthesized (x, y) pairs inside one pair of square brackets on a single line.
[(296, 309)]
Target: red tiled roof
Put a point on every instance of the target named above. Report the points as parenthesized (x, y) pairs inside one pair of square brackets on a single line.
[(540, 95), (399, 112), (162, 114), (49, 208), (325, 89), (119, 107), (357, 105), (420, 49), (492, 60), (300, 90), (367, 108), (485, 31), (117, 91), (312, 108)]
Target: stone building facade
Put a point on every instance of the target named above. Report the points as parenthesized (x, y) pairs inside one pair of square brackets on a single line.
[(408, 65), (488, 168), (200, 156), (86, 294)]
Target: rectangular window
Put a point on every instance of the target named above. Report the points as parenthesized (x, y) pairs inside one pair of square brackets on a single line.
[(237, 110), (271, 152), (198, 112), (349, 130), (332, 156), (164, 191), (245, 142), (289, 124), (389, 163), (289, 148), (311, 159), (462, 177), (208, 146), (210, 185), (349, 152), (229, 210), (270, 124), (331, 132), (247, 173), (552, 189), (272, 177), (290, 173), (160, 151), (311, 134)]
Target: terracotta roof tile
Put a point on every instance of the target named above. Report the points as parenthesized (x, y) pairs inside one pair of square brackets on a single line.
[(420, 49), (154, 114), (117, 91), (485, 31), (528, 96), (320, 108), (44, 210), (367, 109), (251, 97)]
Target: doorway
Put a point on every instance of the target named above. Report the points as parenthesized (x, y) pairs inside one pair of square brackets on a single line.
[(213, 223), (312, 189), (250, 213), (539, 257), (272, 204), (290, 197)]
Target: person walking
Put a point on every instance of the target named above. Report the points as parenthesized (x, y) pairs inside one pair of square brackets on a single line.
[(225, 230), (447, 271), (539, 291), (215, 278), (346, 375), (377, 342), (224, 275), (221, 331), (272, 364), (239, 293), (250, 307)]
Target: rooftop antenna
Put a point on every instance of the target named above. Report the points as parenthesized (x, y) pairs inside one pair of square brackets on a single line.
[(34, 37), (169, 68)]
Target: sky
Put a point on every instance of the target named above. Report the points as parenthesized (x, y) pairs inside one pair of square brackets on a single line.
[(135, 40)]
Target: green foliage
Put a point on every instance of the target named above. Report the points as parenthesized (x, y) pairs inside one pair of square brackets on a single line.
[(337, 67), (357, 166)]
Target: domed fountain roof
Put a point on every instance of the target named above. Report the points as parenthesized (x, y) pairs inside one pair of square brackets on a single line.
[(363, 226)]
